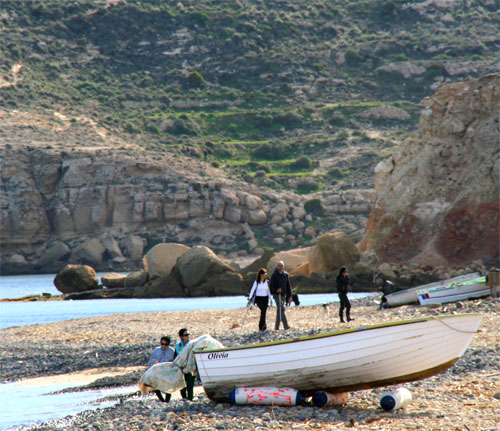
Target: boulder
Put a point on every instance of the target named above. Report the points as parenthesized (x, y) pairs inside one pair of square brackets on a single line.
[(16, 264), (255, 217), (310, 232), (112, 247), (299, 213), (301, 269), (261, 262), (332, 251), (292, 259), (222, 284), (253, 202), (162, 258), (76, 278), (314, 283), (57, 252), (386, 271), (134, 247), (90, 253), (198, 266), (136, 278), (113, 279), (160, 287), (232, 214), (362, 275)]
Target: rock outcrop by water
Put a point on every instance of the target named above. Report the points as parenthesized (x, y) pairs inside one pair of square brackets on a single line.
[(76, 278), (437, 197)]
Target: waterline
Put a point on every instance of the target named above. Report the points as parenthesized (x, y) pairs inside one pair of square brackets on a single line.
[(41, 312)]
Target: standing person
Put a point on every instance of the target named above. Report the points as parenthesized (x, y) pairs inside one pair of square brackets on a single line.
[(163, 353), (343, 282), (281, 291), (186, 392), (260, 295)]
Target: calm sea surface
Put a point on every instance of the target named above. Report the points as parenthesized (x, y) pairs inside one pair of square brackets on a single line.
[(30, 313)]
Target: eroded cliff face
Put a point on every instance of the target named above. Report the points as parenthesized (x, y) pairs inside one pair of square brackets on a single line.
[(72, 192), (438, 195), (50, 196)]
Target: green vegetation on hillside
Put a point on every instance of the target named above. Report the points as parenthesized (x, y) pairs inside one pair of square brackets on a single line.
[(276, 88)]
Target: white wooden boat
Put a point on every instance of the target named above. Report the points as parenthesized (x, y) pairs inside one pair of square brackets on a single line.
[(409, 296), (348, 360), (475, 288)]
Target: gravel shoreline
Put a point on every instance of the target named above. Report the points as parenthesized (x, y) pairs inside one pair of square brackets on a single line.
[(460, 399)]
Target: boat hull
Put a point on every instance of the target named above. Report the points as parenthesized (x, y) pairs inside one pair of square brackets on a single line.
[(453, 293), (410, 296), (342, 361)]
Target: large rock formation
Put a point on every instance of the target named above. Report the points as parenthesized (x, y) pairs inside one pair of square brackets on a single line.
[(76, 278), (72, 191), (162, 258), (202, 273), (437, 196)]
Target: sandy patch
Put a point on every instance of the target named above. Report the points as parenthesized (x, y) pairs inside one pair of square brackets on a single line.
[(84, 377)]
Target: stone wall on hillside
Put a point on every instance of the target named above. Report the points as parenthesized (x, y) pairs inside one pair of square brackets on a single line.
[(437, 197), (106, 207)]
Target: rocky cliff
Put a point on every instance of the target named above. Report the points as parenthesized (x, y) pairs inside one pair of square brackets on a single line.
[(73, 192), (438, 195)]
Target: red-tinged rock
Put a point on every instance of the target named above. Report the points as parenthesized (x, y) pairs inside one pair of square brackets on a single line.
[(437, 197)]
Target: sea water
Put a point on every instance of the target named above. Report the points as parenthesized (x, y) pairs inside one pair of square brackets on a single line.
[(39, 312), (28, 405)]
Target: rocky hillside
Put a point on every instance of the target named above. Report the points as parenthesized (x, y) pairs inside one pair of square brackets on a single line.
[(290, 105), (437, 196), (105, 203)]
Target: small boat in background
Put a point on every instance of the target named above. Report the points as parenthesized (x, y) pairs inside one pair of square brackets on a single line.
[(342, 361), (409, 296), (468, 289)]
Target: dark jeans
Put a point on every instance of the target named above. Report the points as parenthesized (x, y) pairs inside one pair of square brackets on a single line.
[(187, 392), (280, 311), (261, 302), (344, 304)]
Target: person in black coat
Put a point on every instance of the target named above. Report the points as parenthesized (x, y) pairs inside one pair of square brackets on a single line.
[(343, 282), (281, 290)]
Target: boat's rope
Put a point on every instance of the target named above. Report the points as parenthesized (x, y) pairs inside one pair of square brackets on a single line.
[(451, 327)]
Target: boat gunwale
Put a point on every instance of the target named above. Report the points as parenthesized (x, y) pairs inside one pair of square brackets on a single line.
[(427, 286), (335, 333), (455, 286)]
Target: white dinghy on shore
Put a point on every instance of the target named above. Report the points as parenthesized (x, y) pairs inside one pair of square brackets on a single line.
[(409, 296), (469, 289), (343, 361)]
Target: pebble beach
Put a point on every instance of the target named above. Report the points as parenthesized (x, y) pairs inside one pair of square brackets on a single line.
[(116, 348)]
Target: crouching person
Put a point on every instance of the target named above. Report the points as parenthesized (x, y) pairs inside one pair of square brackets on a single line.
[(163, 353)]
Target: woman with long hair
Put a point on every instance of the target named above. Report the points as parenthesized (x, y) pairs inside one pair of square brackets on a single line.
[(343, 282), (261, 296)]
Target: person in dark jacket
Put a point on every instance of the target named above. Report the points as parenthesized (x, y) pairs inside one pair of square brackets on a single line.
[(281, 290), (343, 282), (187, 392)]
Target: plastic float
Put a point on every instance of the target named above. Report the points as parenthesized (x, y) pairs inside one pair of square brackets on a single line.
[(266, 396), (327, 400), (396, 399)]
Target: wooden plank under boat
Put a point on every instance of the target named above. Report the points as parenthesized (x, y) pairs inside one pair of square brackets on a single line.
[(475, 288), (409, 296), (347, 360)]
